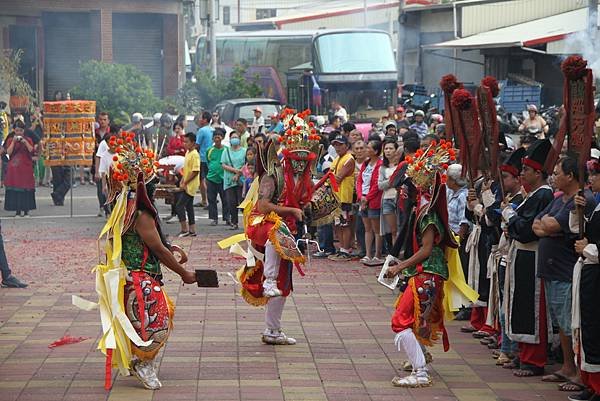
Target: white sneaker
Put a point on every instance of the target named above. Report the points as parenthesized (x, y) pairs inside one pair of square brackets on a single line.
[(146, 373), (277, 337), (418, 378), (270, 289), (172, 219)]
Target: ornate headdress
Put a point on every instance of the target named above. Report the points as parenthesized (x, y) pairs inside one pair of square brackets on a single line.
[(300, 140), (426, 164), (426, 171), (131, 162), (300, 153)]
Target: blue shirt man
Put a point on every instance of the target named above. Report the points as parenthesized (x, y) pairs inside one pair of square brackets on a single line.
[(204, 136), (276, 125)]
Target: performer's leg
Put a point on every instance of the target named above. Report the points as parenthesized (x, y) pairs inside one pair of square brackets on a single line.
[(402, 323), (271, 271), (273, 334), (533, 356)]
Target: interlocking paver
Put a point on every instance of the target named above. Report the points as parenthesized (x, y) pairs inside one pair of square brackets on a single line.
[(339, 315)]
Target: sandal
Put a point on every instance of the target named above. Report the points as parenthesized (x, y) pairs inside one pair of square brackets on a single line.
[(514, 364), (468, 329), (496, 353), (555, 378), (502, 359), (571, 386), (481, 334), (529, 371)]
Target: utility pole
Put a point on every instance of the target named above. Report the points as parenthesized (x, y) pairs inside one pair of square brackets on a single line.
[(593, 19), (401, 38), (213, 39), (365, 11)]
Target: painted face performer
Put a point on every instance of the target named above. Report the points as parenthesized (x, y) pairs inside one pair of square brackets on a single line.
[(420, 310), (273, 215), (137, 315)]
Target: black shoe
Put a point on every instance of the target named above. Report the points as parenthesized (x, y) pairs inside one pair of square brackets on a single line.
[(214, 223), (584, 395), (13, 282), (463, 314)]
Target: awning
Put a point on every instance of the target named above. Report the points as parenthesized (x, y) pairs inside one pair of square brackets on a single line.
[(527, 34)]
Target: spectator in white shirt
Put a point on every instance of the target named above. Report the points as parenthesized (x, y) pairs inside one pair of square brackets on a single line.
[(258, 122), (340, 111), (104, 159)]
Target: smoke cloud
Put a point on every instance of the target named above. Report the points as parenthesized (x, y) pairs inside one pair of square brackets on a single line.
[(582, 43)]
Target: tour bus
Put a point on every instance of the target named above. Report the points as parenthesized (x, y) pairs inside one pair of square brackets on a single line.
[(310, 69)]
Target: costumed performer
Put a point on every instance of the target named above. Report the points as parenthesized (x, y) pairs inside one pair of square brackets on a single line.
[(524, 300), (586, 281), (421, 308), (137, 315), (273, 217)]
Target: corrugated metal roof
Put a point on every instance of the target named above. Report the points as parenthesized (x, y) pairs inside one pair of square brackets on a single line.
[(532, 33)]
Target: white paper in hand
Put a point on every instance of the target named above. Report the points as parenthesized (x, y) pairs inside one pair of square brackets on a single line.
[(390, 283)]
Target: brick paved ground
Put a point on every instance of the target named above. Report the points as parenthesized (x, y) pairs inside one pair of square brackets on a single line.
[(338, 313)]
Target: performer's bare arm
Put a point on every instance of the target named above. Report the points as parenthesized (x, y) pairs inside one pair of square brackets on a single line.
[(266, 190), (421, 255), (146, 228)]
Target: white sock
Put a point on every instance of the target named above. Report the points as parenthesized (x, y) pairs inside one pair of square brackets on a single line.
[(406, 340)]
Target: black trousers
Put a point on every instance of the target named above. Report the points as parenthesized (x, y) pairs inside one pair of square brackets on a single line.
[(61, 182), (185, 203), (234, 198), (101, 197), (4, 268), (212, 190)]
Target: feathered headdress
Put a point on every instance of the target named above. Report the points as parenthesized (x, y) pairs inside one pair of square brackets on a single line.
[(131, 162), (426, 164), (299, 137)]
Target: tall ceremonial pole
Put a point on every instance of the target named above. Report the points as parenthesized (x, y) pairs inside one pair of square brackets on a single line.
[(578, 100)]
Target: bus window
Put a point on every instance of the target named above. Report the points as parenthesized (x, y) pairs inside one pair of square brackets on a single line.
[(255, 51), (292, 53), (201, 55), (233, 51), (354, 52)]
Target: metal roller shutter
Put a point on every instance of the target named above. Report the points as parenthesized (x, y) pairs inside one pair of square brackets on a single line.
[(67, 37), (137, 40)]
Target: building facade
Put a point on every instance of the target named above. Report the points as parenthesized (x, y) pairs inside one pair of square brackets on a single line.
[(56, 36)]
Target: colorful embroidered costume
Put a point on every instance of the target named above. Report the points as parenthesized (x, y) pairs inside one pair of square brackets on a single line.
[(284, 187), (432, 269), (136, 313)]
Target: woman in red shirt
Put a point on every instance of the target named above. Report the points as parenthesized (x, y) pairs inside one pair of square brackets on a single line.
[(175, 146), (369, 198)]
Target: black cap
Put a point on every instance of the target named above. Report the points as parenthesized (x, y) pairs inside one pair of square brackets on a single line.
[(514, 163), (341, 139), (537, 153)]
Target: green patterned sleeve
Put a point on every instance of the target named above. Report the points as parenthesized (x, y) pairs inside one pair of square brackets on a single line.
[(432, 218)]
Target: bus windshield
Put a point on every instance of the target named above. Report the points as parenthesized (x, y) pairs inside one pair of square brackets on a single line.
[(354, 52)]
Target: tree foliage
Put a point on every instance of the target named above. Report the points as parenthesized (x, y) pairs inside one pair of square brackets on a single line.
[(118, 89), (206, 92), (12, 81)]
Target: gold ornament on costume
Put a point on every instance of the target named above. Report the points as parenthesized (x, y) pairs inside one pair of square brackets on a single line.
[(423, 167), (129, 159)]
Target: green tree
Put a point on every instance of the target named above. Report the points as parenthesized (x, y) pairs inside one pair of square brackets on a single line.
[(12, 83), (118, 89), (206, 92)]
